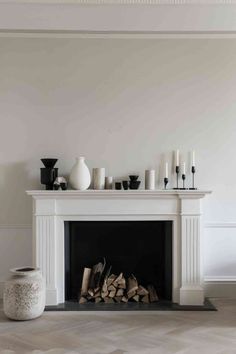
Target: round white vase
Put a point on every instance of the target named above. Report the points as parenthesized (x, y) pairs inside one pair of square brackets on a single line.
[(80, 176), (24, 294)]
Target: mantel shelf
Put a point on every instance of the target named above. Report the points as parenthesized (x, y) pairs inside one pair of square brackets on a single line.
[(118, 194)]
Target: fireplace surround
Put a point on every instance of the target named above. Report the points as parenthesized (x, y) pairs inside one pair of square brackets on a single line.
[(51, 209)]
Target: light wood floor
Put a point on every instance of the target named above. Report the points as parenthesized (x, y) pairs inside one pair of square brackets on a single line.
[(120, 333)]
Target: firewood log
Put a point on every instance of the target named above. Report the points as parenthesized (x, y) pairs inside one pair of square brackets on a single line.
[(145, 299), (98, 299), (97, 294), (124, 299), (120, 292), (112, 293), (117, 280), (132, 286), (85, 281), (110, 279), (104, 294), (111, 288), (82, 300), (142, 291), (91, 292), (136, 298), (108, 300), (96, 274), (152, 293), (118, 298)]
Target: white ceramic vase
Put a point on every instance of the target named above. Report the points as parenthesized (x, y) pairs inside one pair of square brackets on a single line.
[(80, 176), (24, 294)]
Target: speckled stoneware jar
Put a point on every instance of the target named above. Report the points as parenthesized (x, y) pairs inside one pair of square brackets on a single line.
[(24, 294)]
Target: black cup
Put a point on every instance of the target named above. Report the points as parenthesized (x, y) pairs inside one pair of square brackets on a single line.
[(125, 185), (118, 185), (63, 186)]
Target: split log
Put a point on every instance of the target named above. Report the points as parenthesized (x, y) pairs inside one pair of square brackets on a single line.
[(145, 299), (132, 286), (82, 300), (111, 288), (108, 300), (104, 294), (124, 299), (91, 292), (85, 281), (97, 294), (136, 298), (98, 299), (120, 292), (152, 293), (118, 280), (142, 291), (96, 274), (110, 279), (112, 293), (118, 298)]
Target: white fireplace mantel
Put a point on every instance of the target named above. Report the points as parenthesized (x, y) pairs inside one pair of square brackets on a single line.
[(52, 208)]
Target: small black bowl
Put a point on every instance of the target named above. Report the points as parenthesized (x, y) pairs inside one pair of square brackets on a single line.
[(49, 163), (133, 177)]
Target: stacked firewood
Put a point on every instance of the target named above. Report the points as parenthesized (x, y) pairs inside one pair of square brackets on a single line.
[(112, 288)]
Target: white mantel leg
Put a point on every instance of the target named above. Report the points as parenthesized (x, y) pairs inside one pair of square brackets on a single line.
[(45, 254), (191, 291)]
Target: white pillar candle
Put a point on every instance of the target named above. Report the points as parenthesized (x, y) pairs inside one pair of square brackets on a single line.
[(184, 168), (166, 170), (177, 158), (193, 158), (150, 179)]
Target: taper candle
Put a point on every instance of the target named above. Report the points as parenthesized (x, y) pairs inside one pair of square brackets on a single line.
[(177, 158), (184, 168), (193, 158), (166, 170)]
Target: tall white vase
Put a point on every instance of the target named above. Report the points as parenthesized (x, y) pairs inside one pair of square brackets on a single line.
[(80, 176)]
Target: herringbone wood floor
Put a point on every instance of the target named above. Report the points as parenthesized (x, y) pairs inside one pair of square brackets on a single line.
[(120, 333)]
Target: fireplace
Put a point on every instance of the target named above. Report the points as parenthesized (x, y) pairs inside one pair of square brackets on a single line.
[(179, 210), (139, 248)]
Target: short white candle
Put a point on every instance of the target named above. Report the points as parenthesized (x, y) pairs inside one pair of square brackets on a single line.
[(193, 158), (177, 158), (184, 168), (166, 170)]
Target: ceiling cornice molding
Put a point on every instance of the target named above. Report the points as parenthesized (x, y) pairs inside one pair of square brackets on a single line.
[(123, 2)]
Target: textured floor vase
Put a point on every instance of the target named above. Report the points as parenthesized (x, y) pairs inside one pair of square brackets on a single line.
[(24, 294)]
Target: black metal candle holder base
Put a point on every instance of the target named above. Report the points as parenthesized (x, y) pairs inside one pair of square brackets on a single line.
[(165, 182)]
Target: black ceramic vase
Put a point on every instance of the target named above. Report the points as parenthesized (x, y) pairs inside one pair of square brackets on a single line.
[(134, 183), (49, 173)]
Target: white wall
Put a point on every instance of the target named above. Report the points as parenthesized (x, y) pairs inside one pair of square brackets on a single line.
[(125, 104)]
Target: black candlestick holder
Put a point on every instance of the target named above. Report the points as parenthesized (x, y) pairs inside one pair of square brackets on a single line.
[(166, 182), (193, 170), (183, 179), (177, 176)]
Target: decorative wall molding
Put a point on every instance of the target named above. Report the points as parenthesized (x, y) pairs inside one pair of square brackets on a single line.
[(119, 16), (15, 226), (220, 225), (124, 2)]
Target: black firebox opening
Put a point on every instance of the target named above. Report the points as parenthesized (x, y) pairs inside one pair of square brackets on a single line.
[(142, 248)]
